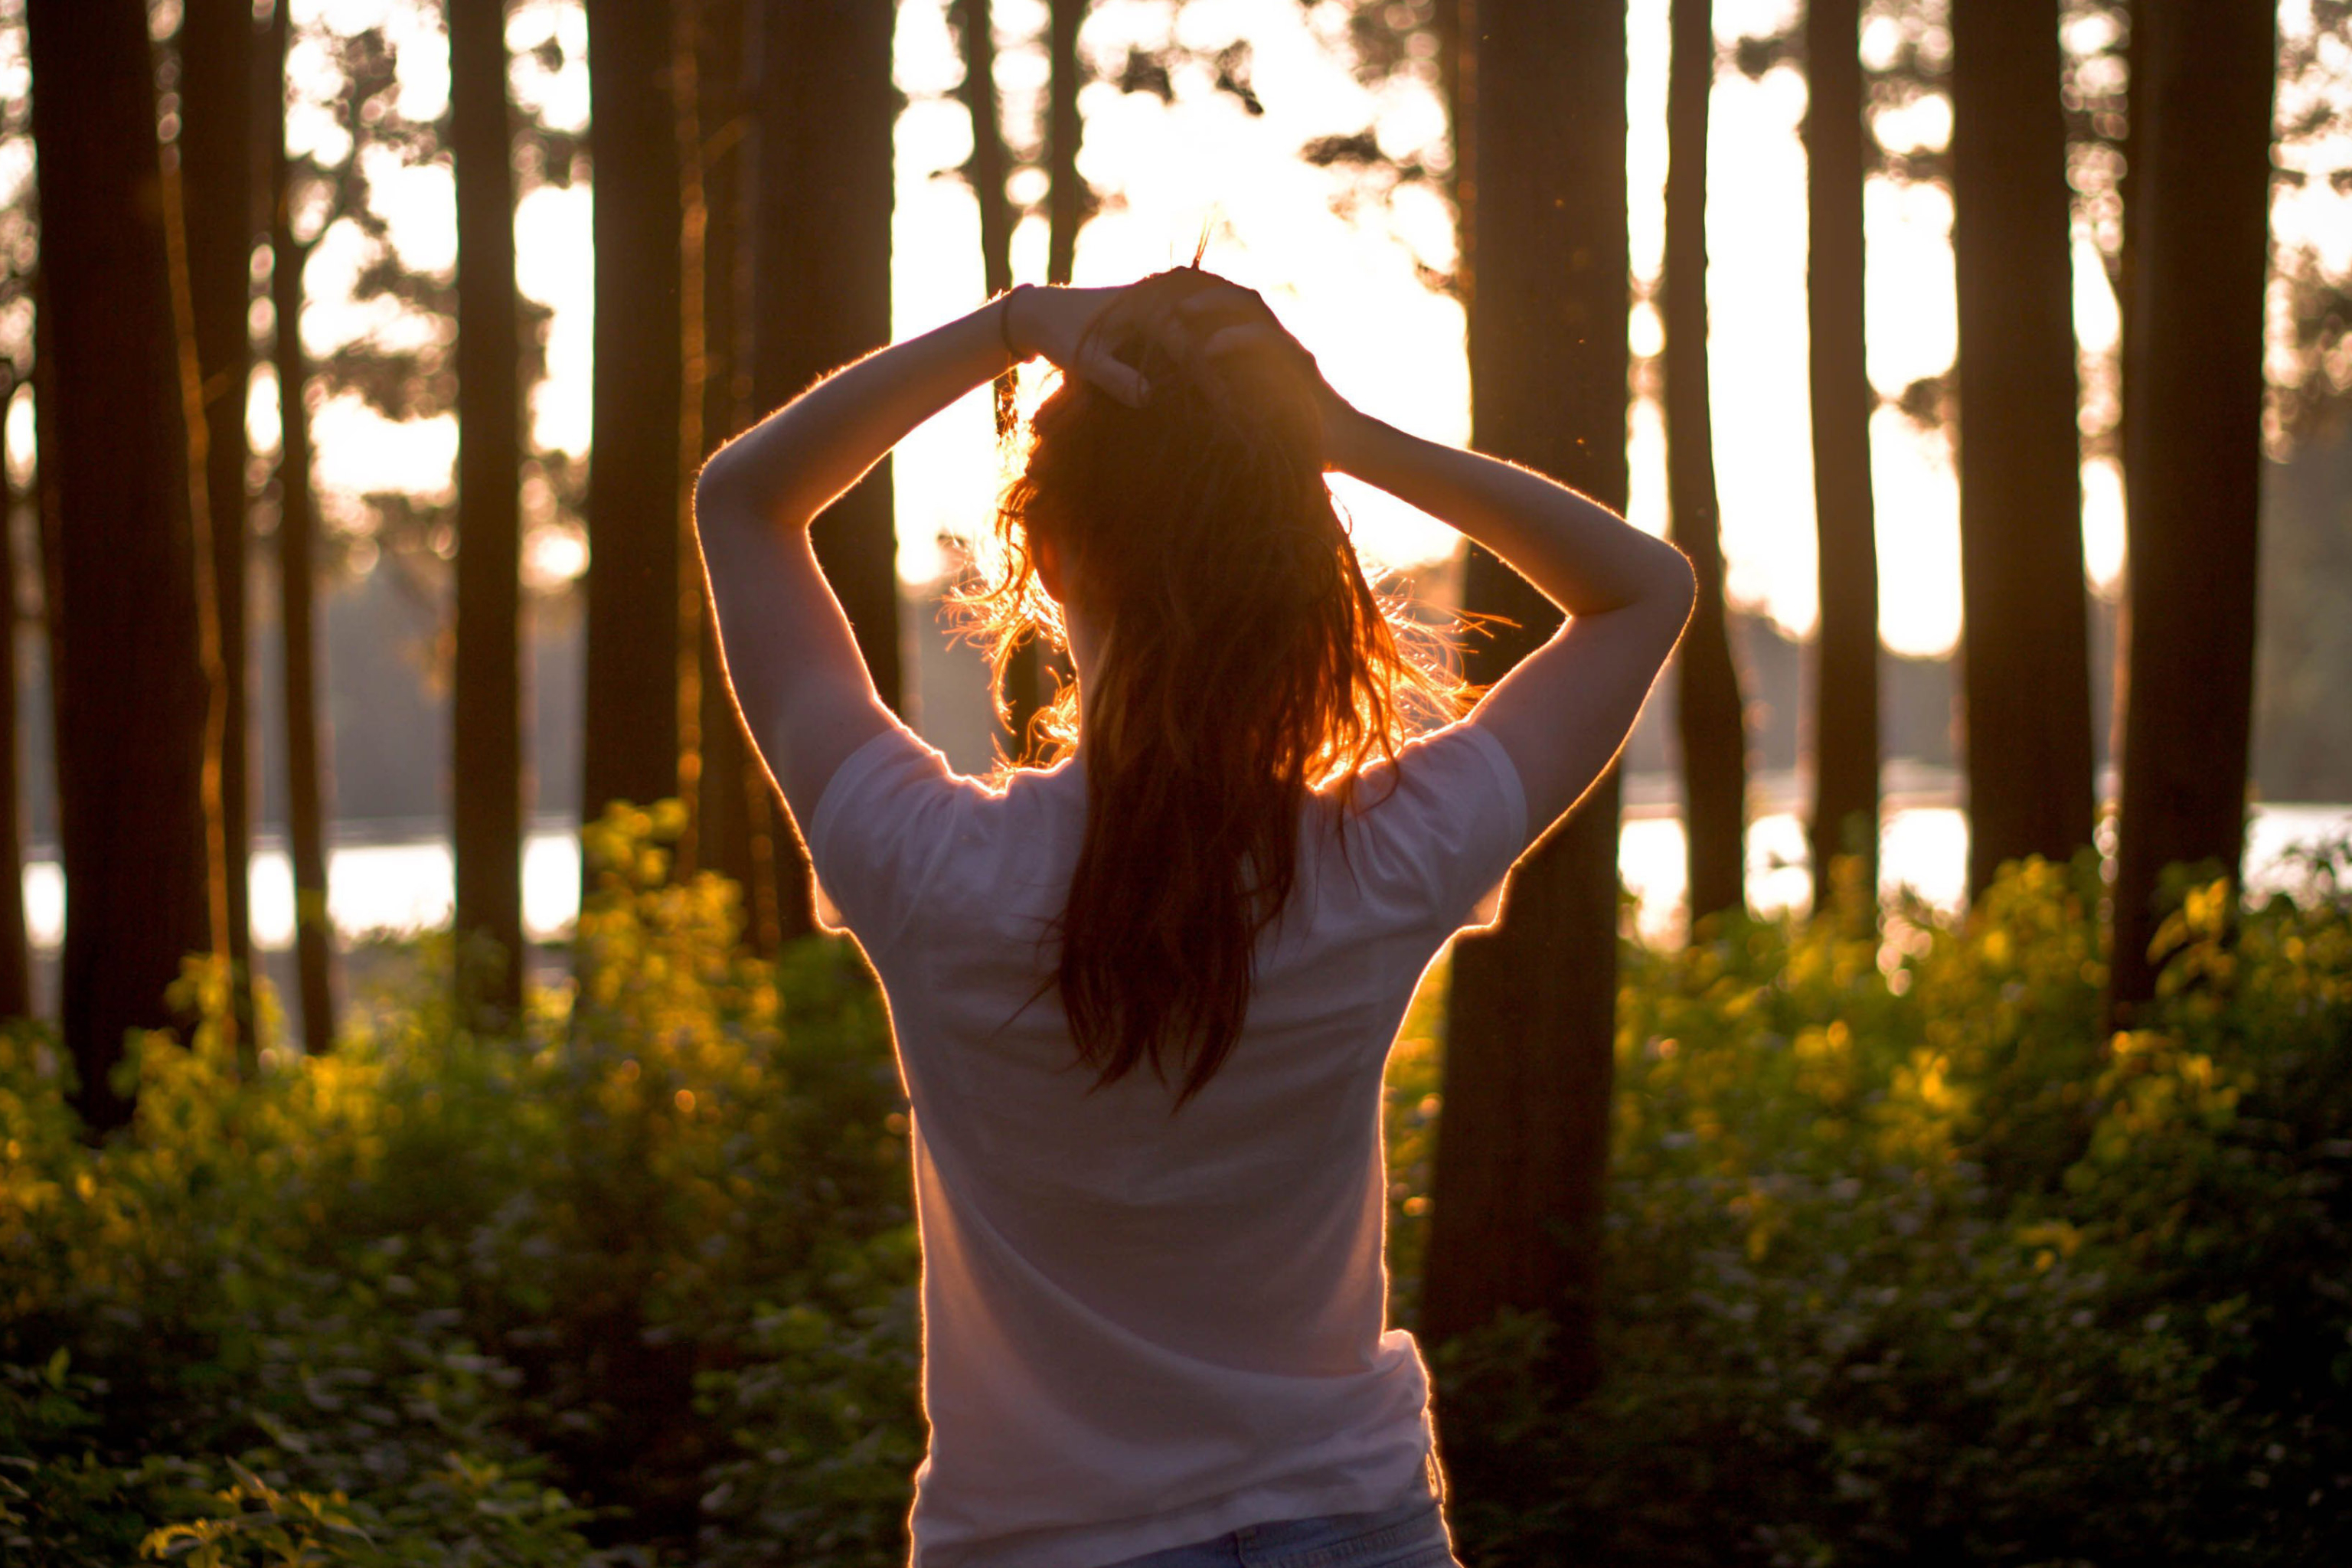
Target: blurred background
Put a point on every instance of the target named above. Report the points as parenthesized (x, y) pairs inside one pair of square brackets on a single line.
[(1899, 1116), (1311, 148)]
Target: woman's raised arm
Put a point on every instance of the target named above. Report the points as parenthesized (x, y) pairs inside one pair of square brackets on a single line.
[(1564, 711), (806, 693)]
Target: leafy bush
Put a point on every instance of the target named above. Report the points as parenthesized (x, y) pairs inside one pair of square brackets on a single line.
[(1907, 1262), (444, 1298)]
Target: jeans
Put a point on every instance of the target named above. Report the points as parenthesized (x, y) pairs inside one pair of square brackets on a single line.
[(1411, 1534)]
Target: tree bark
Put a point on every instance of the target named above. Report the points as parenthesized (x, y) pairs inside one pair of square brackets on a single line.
[(48, 533), (487, 698), (1709, 714), (220, 176), (1067, 200), (989, 164), (2024, 653), (821, 252), (2201, 109), (630, 702), (985, 171), (1069, 203), (2120, 277), (1845, 698), (1523, 1156), (309, 783), (687, 585), (15, 954), (130, 698), (737, 814)]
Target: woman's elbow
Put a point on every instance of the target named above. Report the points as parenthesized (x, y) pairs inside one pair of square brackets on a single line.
[(713, 490), (1677, 589)]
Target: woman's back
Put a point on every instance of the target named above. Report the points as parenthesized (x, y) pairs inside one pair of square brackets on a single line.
[(1142, 1001), (1146, 1326)]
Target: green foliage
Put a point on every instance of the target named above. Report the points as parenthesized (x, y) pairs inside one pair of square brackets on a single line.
[(1908, 1262), (437, 1297)]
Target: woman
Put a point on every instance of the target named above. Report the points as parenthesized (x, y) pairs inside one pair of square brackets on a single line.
[(1142, 998)]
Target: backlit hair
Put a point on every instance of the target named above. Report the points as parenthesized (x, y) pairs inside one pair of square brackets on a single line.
[(1244, 661)]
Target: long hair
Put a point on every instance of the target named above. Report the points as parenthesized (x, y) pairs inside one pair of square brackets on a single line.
[(1244, 661)]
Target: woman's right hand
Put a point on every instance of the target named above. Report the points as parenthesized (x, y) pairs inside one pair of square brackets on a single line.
[(1217, 320), (1051, 322)]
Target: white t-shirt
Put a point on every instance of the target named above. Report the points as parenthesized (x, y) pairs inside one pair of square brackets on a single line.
[(1143, 1329)]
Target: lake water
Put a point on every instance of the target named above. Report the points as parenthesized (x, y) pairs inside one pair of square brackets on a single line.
[(407, 885)]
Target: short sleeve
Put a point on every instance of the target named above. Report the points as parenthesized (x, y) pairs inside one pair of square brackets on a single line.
[(886, 821), (1452, 825)]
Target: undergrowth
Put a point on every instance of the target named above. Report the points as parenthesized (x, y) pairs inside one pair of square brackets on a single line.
[(1908, 1260)]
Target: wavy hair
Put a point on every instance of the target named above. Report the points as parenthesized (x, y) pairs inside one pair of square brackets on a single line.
[(1243, 662)]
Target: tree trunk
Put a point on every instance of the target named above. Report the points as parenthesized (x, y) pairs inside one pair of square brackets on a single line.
[(630, 704), (2121, 274), (47, 535), (486, 748), (687, 585), (220, 178), (130, 697), (2024, 653), (736, 816), (985, 171), (1845, 699), (15, 954), (1709, 713), (1521, 1163), (2198, 222), (1067, 200), (1069, 203), (308, 786), (821, 252)]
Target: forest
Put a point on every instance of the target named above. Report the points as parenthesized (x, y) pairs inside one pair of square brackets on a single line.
[(2010, 1229)]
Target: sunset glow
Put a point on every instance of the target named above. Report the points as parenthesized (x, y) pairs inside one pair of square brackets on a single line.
[(1338, 262)]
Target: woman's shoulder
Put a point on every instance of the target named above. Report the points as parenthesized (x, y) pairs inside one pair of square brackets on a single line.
[(1431, 830), (1448, 772), (900, 836)]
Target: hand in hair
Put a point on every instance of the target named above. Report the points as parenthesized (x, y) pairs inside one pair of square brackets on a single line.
[(1054, 323), (1226, 323)]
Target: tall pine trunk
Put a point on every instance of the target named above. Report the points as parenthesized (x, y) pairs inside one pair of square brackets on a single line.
[(486, 750), (1845, 695), (130, 698), (630, 702), (2026, 665), (15, 954), (1035, 670), (219, 174), (821, 248), (308, 786), (989, 162), (691, 325), (1709, 713), (2121, 274), (985, 171), (1067, 201), (738, 811), (2199, 218), (1523, 1155), (48, 533)]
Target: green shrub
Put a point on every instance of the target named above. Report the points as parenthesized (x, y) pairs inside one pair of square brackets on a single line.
[(1906, 1262), (442, 1298)]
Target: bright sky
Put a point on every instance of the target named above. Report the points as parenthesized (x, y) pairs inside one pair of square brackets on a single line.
[(1340, 271)]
